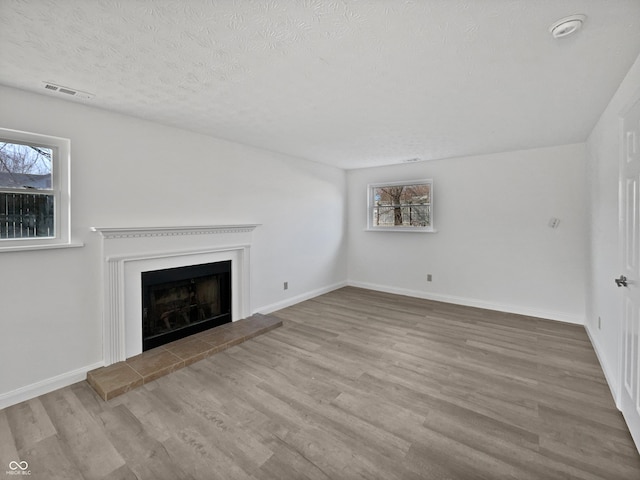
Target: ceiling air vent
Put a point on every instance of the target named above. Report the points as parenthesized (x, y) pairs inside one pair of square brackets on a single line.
[(52, 87)]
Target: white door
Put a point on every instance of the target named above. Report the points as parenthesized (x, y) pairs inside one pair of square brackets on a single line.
[(629, 281)]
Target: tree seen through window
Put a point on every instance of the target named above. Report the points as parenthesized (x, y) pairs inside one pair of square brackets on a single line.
[(401, 205)]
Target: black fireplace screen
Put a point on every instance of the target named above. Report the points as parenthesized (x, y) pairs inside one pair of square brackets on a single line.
[(178, 302)]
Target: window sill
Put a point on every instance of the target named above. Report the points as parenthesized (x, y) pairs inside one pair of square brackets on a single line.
[(24, 248), (392, 229)]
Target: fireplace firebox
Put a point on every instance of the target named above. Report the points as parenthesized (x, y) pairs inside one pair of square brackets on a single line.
[(178, 302)]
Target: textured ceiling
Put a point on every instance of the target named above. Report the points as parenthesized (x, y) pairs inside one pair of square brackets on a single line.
[(348, 83)]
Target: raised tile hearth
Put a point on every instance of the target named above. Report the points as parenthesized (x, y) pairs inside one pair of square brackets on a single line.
[(116, 379)]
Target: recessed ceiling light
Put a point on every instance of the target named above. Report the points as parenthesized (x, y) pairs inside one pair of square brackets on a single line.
[(567, 26)]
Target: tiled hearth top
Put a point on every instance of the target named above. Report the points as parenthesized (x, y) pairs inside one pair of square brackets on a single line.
[(116, 379)]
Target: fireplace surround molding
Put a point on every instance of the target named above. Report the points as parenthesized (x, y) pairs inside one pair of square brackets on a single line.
[(129, 251)]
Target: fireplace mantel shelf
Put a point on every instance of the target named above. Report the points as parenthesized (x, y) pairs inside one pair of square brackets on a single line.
[(133, 232)]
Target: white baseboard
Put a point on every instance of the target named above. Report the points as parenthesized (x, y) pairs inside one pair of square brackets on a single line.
[(298, 298), (612, 381), (472, 302), (45, 386)]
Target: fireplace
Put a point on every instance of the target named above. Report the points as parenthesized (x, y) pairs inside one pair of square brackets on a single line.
[(178, 302), (129, 251)]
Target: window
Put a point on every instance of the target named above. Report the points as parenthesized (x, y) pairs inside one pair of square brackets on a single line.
[(34, 191), (401, 206)]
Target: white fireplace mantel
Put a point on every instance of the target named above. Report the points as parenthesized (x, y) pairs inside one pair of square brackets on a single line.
[(135, 232), (129, 251)]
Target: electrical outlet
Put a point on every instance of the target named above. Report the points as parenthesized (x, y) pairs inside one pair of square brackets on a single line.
[(429, 277), (286, 285)]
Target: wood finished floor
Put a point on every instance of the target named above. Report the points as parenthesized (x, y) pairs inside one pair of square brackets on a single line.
[(355, 385)]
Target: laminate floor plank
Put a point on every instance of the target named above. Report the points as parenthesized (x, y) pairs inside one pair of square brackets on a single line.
[(289, 463), (29, 423), (8, 450), (84, 438), (356, 384), (133, 442), (52, 458)]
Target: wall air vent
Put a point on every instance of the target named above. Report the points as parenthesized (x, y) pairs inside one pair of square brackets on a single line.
[(52, 87)]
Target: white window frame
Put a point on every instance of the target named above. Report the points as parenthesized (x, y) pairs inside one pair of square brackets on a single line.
[(60, 189), (371, 205)]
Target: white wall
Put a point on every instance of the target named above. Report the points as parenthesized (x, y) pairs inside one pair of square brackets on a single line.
[(493, 247), (603, 146), (130, 172)]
